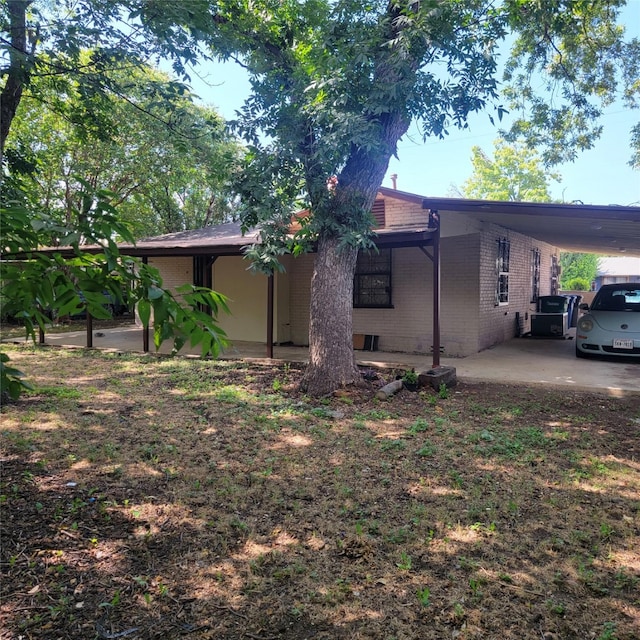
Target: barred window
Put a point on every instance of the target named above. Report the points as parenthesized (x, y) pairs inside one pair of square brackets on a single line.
[(372, 282), (535, 275), (555, 275), (502, 270)]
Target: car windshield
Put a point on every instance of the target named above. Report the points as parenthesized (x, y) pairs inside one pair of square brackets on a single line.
[(624, 298)]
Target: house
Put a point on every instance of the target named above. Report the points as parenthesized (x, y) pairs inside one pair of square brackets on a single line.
[(451, 276), (495, 260), (612, 269)]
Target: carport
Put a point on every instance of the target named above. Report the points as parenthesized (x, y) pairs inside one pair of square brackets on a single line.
[(606, 230)]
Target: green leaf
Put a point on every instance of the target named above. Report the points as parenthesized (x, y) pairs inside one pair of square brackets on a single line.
[(144, 311), (155, 293)]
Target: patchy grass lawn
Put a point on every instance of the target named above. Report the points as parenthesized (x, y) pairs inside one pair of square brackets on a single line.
[(169, 498)]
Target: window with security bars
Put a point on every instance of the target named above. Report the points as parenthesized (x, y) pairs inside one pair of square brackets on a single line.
[(372, 281), (502, 270), (535, 275), (555, 275)]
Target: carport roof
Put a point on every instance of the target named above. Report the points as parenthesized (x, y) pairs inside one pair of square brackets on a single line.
[(607, 230), (604, 229)]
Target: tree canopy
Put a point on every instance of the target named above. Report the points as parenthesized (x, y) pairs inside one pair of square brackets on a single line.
[(515, 173), (336, 85), (71, 58), (579, 270), (167, 161)]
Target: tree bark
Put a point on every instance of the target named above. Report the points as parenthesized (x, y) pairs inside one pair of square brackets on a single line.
[(16, 75), (331, 357)]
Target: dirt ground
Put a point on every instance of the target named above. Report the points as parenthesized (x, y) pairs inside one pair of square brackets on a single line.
[(145, 497)]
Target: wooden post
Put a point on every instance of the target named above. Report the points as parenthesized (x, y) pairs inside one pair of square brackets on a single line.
[(270, 316), (145, 330), (434, 218), (89, 330)]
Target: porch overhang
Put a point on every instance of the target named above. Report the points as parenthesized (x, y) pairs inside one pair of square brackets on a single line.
[(605, 230)]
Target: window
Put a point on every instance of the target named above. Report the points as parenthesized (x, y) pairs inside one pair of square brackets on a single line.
[(535, 275), (555, 275), (502, 269), (372, 282)]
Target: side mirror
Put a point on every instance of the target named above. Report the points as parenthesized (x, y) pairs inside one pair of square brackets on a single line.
[(584, 306)]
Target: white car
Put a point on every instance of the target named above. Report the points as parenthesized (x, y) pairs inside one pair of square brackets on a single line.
[(611, 325)]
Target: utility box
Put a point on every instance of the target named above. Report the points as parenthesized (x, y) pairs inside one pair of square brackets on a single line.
[(553, 325)]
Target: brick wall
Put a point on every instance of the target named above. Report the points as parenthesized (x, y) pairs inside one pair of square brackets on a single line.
[(408, 327), (300, 273), (497, 323), (175, 271)]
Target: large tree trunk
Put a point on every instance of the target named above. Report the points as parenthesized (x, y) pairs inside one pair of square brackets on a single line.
[(331, 358), (17, 72)]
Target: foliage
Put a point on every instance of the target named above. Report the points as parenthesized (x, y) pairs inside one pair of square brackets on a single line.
[(11, 380), (578, 53), (52, 40), (580, 266), (37, 284), (167, 172), (577, 284), (514, 174), (75, 76), (410, 377)]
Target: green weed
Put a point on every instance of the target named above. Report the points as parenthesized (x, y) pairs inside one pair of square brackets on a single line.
[(424, 596)]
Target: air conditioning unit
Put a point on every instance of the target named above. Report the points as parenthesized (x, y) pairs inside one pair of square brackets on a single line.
[(553, 325)]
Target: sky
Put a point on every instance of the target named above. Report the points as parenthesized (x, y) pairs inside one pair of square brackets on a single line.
[(435, 168)]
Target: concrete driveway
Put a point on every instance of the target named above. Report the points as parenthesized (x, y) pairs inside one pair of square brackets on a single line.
[(531, 361), (551, 363)]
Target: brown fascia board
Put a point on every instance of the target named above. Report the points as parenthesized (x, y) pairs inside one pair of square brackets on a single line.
[(533, 208), (139, 251), (398, 238)]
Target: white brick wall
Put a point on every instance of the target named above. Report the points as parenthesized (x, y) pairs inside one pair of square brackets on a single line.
[(498, 323), (470, 320), (175, 271)]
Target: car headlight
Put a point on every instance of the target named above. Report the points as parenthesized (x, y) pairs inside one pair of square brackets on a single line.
[(585, 324)]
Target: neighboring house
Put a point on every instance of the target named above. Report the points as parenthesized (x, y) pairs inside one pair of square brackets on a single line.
[(490, 278), (614, 269)]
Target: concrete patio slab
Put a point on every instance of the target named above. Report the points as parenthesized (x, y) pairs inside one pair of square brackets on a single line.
[(531, 361)]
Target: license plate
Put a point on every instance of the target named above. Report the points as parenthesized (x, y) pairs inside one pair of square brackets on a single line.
[(623, 344)]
